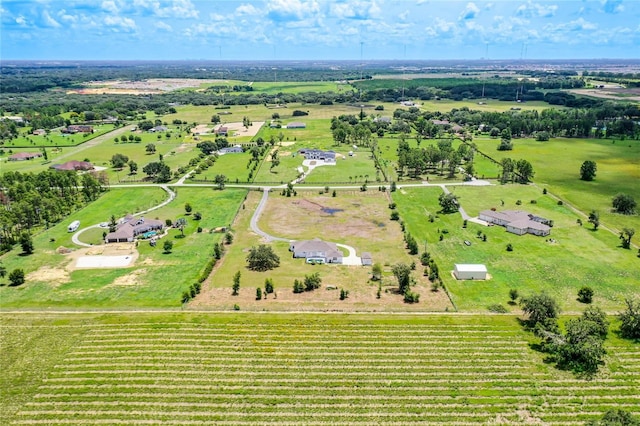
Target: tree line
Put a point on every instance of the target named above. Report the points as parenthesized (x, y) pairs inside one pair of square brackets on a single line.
[(39, 200)]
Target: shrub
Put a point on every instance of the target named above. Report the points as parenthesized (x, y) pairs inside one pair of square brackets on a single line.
[(411, 297), (497, 308), (16, 277), (258, 293), (509, 247), (344, 294), (585, 294)]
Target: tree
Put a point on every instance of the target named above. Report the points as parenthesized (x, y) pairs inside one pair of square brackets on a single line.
[(312, 281), (150, 148), (448, 202), (220, 181), (236, 284), (298, 287), (615, 417), (228, 238), (181, 223), (625, 236), (513, 295), (539, 308), (268, 286), (598, 317), (168, 246), (630, 320), (524, 171), (113, 224), (376, 272), (402, 272), (585, 294), (582, 348), (588, 170), (26, 242), (262, 258), (594, 218), (133, 167), (3, 270), (118, 161), (623, 203), (158, 171), (16, 277), (187, 208), (258, 293)]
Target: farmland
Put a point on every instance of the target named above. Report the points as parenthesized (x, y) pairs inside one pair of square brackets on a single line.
[(559, 267), (192, 368)]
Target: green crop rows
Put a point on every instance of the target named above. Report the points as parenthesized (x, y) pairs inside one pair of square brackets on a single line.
[(303, 370)]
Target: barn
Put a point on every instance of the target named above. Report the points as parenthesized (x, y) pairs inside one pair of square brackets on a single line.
[(466, 271)]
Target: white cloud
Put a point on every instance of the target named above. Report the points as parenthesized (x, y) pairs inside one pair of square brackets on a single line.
[(247, 9), (441, 28), (49, 21), (216, 17), (176, 9), (469, 12), (355, 10), (287, 10), (110, 6), (404, 15), (118, 23), (163, 26), (536, 10), (20, 20)]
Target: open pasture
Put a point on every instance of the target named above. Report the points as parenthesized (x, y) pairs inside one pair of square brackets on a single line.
[(557, 167), (577, 256), (302, 369), (359, 220), (156, 279), (57, 138)]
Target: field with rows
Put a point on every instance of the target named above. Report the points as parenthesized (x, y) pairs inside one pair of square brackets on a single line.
[(295, 369)]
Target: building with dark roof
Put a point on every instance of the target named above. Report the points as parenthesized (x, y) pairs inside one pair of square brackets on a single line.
[(318, 154), (131, 227), (316, 250)]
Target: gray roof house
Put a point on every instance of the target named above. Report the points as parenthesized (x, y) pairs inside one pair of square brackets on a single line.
[(318, 154), (366, 258), (296, 125), (236, 149), (131, 227), (517, 222), (316, 250)]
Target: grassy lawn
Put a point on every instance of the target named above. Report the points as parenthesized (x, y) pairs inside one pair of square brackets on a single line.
[(104, 368), (155, 279), (56, 138), (364, 224), (559, 268), (557, 167)]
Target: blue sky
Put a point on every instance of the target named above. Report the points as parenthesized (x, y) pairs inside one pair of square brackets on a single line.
[(318, 29)]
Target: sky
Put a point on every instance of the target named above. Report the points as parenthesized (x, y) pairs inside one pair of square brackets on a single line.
[(318, 29)]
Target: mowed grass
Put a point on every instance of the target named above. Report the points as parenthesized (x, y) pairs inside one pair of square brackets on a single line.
[(154, 280), (578, 256), (557, 167), (302, 369), (56, 138)]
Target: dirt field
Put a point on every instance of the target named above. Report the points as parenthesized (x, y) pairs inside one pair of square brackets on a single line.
[(611, 93), (237, 129), (155, 85)]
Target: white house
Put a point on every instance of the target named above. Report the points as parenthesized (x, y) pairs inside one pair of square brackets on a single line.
[(316, 250), (468, 271), (518, 222)]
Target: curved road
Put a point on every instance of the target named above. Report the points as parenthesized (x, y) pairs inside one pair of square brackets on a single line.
[(75, 238)]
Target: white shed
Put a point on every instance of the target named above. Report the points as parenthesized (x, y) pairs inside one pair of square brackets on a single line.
[(465, 271)]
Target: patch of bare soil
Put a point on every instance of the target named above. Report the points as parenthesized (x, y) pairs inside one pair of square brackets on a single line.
[(49, 275), (116, 249), (237, 129), (132, 279), (201, 128)]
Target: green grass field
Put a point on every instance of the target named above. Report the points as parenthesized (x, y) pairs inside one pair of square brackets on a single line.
[(155, 279), (557, 167), (303, 369), (57, 138), (578, 256)]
